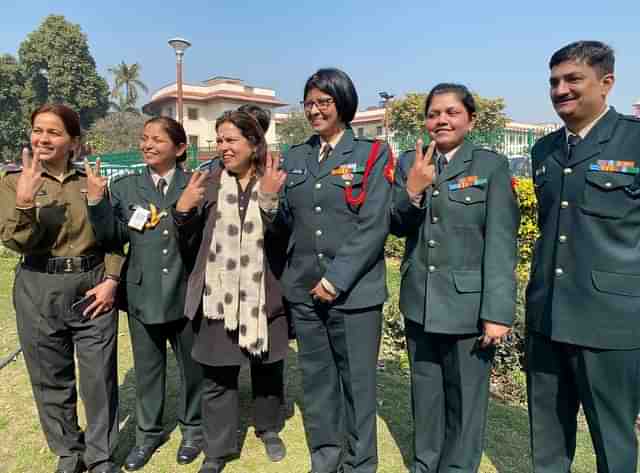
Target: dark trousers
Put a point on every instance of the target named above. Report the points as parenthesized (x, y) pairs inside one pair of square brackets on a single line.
[(560, 377), (449, 398), (220, 405), (149, 344), (50, 334), (338, 353)]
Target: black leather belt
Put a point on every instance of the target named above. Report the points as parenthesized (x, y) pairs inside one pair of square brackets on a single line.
[(62, 264)]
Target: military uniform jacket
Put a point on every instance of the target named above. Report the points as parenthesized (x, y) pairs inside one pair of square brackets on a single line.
[(155, 278), (461, 249), (585, 278), (328, 237)]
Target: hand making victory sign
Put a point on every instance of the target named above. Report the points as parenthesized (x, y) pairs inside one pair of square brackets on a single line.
[(423, 171), (273, 178), (96, 184), (30, 180), (193, 194)]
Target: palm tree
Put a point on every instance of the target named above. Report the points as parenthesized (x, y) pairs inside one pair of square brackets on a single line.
[(120, 104), (127, 77)]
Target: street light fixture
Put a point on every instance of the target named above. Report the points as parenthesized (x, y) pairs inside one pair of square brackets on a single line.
[(179, 45), (386, 99)]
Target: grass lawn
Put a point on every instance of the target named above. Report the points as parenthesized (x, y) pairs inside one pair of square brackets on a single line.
[(23, 448)]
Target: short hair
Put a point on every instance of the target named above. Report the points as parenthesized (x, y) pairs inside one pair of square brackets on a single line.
[(595, 54), (459, 90), (175, 131), (339, 86), (252, 131), (69, 117), (260, 114)]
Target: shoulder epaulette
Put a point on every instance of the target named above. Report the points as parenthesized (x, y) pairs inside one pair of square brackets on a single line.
[(120, 177), (209, 165), (630, 118)]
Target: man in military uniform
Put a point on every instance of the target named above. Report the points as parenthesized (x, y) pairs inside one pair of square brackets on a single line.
[(583, 299)]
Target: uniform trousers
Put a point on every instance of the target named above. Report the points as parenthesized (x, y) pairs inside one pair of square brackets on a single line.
[(50, 333), (449, 399), (221, 407), (149, 345), (338, 353), (560, 378)]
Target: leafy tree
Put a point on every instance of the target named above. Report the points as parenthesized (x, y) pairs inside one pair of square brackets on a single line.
[(407, 120), (58, 67), (118, 131), (12, 131), (295, 129), (127, 77)]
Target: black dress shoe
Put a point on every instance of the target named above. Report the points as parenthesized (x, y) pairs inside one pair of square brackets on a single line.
[(212, 466), (70, 466), (139, 456), (105, 467), (188, 452), (273, 445)]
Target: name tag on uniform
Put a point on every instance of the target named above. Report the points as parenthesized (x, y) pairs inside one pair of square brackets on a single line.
[(139, 218), (625, 167), (297, 172), (469, 181)]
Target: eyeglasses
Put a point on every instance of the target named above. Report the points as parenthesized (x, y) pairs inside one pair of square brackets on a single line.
[(322, 104)]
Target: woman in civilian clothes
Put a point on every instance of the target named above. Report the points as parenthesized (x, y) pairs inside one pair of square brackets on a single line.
[(334, 202), (155, 278), (457, 209), (234, 294)]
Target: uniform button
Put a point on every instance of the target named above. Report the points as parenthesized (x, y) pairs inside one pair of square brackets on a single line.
[(318, 185), (436, 193), (564, 204), (241, 207), (434, 219), (318, 232), (431, 243), (165, 233), (567, 170), (318, 209), (320, 255), (431, 268), (165, 270), (165, 251), (467, 199), (607, 185), (71, 246), (559, 271), (563, 238)]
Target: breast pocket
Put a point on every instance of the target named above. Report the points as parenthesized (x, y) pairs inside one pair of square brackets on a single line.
[(468, 196), (605, 196)]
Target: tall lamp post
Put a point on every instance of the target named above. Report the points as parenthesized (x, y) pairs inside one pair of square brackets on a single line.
[(386, 99), (179, 45)]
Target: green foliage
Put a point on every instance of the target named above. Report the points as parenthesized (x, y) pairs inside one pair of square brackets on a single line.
[(118, 131), (406, 115), (295, 129), (12, 133), (127, 78), (58, 67)]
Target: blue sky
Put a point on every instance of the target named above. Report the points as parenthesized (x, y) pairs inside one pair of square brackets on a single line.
[(497, 48)]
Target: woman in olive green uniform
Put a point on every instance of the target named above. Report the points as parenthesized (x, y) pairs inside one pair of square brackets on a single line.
[(43, 217), (334, 202), (457, 209), (155, 278)]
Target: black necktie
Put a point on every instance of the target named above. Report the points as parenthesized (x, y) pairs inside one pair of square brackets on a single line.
[(161, 185), (572, 141), (441, 163), (324, 154)]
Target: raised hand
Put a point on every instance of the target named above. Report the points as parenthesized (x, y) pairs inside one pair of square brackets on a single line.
[(423, 171), (193, 194), (30, 180), (96, 184), (273, 178)]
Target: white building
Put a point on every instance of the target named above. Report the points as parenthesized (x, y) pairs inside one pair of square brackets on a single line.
[(203, 104), (635, 108)]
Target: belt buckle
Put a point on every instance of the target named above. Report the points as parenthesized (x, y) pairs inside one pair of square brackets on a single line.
[(68, 266)]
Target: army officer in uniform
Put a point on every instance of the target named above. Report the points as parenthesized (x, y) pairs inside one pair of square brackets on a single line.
[(583, 299), (335, 204), (43, 217), (457, 209), (155, 279)]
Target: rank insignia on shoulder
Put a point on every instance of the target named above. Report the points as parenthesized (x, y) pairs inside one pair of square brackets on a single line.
[(625, 167), (541, 170), (469, 181), (347, 169), (297, 172)]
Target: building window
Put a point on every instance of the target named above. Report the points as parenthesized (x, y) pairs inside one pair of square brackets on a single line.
[(193, 141), (192, 113), (379, 131), (360, 132)]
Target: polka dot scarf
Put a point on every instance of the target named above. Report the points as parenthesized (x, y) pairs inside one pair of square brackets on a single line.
[(234, 281)]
